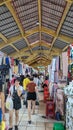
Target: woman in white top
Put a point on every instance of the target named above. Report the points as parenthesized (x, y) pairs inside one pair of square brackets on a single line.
[(15, 92)]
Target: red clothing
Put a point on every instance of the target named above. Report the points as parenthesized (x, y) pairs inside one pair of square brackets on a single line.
[(31, 87), (12, 81), (46, 82)]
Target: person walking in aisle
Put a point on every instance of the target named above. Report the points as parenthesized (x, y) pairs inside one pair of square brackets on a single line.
[(15, 91), (31, 98), (36, 81), (25, 82)]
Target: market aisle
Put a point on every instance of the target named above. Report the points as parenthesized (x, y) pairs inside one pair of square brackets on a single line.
[(38, 122)]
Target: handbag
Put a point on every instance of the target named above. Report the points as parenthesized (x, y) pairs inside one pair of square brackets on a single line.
[(9, 103), (37, 103), (58, 116), (16, 100)]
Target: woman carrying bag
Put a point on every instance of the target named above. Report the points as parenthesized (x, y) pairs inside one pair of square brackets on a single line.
[(15, 91)]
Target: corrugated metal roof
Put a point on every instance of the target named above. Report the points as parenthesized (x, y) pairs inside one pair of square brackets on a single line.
[(47, 38), (52, 10), (40, 48), (33, 38), (20, 44), (8, 50), (60, 44), (27, 13), (8, 25), (67, 28)]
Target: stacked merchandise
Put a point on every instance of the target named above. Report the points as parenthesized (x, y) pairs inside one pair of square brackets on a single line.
[(50, 109), (70, 63), (57, 96), (68, 90)]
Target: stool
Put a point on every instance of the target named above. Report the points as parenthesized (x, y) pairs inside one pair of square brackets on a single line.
[(50, 109), (58, 126)]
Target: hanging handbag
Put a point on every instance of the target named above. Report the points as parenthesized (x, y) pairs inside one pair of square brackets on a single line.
[(16, 100), (37, 103)]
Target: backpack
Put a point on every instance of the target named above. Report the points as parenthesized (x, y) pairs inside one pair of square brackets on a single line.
[(58, 116), (16, 100)]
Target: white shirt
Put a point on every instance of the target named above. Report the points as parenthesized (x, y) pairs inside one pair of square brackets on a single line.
[(36, 81), (11, 90)]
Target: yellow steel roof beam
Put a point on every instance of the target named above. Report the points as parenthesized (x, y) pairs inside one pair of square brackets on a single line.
[(65, 48), (10, 41), (3, 38), (37, 58), (61, 22), (28, 33), (36, 53), (4, 1), (28, 44), (70, 1), (15, 48), (40, 17), (33, 62), (8, 4), (22, 51)]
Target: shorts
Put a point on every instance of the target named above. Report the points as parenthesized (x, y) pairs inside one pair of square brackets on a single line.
[(31, 96)]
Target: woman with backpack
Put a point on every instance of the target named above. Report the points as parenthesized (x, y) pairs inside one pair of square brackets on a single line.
[(15, 91)]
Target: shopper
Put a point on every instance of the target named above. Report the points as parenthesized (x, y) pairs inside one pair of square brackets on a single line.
[(15, 92), (25, 82), (46, 81), (13, 79), (36, 81), (2, 108), (31, 98)]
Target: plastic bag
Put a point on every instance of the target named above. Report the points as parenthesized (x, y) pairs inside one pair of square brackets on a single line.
[(2, 126), (9, 103)]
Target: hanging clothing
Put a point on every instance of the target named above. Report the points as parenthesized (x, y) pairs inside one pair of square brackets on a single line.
[(10, 74), (7, 61), (68, 90), (20, 68), (54, 64), (36, 81), (65, 63), (16, 69), (52, 76), (60, 101), (0, 60), (12, 61), (57, 63)]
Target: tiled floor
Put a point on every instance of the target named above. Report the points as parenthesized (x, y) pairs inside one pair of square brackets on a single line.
[(38, 122)]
